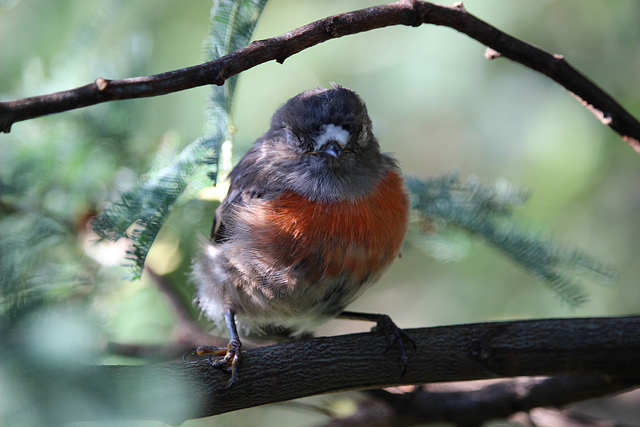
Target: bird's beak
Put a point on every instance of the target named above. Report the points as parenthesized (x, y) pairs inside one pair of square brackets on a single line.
[(331, 149)]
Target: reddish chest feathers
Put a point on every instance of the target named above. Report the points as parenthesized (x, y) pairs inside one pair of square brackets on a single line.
[(358, 239)]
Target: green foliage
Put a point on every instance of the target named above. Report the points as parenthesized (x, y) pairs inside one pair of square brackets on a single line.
[(142, 211), (40, 210), (486, 210), (55, 171), (48, 187)]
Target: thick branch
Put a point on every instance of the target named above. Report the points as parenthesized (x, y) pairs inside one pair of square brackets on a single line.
[(412, 13), (177, 391)]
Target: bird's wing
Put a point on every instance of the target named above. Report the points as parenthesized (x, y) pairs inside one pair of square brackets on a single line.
[(246, 185)]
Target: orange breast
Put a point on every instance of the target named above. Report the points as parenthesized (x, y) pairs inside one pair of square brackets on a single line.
[(354, 238)]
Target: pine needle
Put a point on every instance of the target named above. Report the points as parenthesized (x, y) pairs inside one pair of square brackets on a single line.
[(486, 210), (141, 212)]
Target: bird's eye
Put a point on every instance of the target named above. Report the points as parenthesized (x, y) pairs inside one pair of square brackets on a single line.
[(363, 137), (347, 127), (292, 136)]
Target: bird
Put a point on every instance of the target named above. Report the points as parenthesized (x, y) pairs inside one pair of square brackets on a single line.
[(315, 213)]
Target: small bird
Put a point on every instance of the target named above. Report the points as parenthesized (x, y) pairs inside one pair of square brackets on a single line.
[(314, 215)]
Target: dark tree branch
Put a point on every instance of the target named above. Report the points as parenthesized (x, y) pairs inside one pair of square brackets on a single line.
[(470, 404), (277, 373), (407, 12)]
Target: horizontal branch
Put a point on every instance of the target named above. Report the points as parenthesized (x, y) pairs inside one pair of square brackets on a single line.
[(474, 403), (174, 392), (411, 13)]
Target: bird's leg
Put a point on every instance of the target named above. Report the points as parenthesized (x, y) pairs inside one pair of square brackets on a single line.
[(231, 352), (384, 324)]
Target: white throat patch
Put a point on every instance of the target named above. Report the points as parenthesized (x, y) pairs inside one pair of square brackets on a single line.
[(334, 132)]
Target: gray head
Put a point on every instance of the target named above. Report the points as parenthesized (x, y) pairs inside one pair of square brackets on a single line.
[(325, 122), (321, 145)]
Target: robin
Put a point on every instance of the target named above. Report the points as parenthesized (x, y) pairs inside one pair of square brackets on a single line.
[(314, 215)]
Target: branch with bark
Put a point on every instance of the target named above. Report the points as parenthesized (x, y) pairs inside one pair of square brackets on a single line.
[(406, 12), (597, 355), (474, 403)]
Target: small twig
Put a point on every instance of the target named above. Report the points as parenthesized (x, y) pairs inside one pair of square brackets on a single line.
[(411, 13), (152, 353), (177, 305), (187, 333)]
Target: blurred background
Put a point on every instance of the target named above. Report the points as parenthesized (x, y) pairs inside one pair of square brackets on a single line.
[(435, 102)]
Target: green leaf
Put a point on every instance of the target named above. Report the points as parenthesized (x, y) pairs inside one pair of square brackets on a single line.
[(141, 212), (447, 206)]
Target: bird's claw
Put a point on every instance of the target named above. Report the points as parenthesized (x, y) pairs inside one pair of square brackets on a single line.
[(228, 362), (396, 338)]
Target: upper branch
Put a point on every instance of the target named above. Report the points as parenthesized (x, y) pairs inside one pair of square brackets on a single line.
[(406, 12)]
